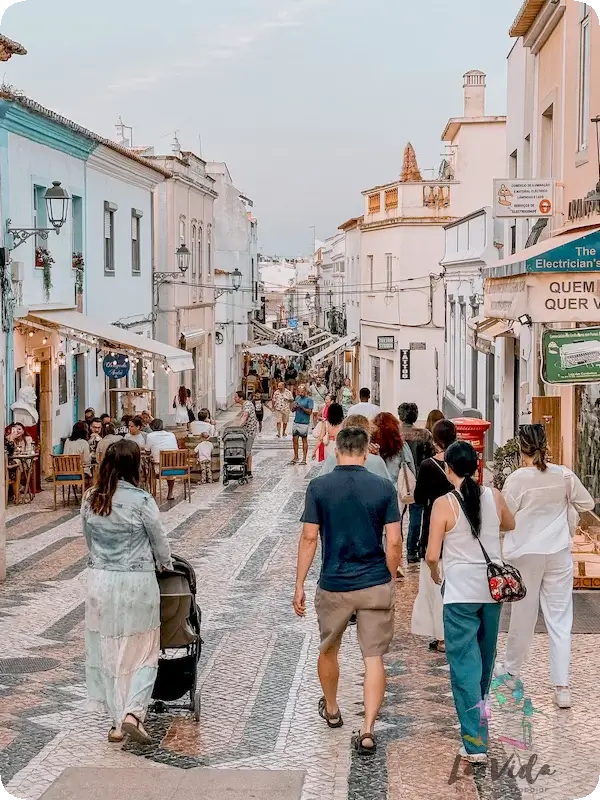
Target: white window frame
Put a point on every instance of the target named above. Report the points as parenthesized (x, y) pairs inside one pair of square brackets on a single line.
[(370, 269), (136, 242), (389, 271), (110, 210), (583, 126)]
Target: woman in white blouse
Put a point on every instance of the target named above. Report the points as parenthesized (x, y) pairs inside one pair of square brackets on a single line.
[(544, 498)]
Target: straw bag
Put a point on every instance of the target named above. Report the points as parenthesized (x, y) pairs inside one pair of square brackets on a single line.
[(406, 485)]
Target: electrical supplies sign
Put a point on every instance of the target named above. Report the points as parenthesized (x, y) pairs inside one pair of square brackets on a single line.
[(571, 357), (116, 366), (523, 198)]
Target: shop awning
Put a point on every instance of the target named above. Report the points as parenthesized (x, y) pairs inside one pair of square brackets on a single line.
[(66, 320), (271, 350), (193, 337), (262, 331), (563, 252), (341, 344), (483, 331)]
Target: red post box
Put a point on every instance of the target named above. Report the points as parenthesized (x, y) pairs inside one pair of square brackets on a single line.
[(473, 430)]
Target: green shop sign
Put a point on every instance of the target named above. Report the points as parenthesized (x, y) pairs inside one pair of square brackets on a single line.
[(580, 255), (571, 357)]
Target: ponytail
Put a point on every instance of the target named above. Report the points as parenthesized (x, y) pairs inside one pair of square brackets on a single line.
[(534, 444), (471, 492)]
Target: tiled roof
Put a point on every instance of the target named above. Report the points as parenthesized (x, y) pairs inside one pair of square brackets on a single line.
[(9, 48), (9, 94)]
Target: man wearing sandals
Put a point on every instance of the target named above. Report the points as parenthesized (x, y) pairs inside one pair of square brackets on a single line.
[(351, 509), (302, 408)]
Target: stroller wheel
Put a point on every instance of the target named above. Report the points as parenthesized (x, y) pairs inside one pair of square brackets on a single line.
[(197, 705)]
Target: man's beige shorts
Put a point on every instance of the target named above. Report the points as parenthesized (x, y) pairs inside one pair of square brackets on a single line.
[(374, 609), (282, 417)]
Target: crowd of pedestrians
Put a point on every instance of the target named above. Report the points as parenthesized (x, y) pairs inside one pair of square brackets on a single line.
[(456, 528)]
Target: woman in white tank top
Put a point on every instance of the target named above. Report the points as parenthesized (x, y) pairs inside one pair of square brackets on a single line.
[(471, 617)]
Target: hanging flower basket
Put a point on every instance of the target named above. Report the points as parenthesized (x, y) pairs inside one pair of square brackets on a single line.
[(43, 260), (78, 265)]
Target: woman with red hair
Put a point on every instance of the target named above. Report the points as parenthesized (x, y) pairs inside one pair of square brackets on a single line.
[(392, 447)]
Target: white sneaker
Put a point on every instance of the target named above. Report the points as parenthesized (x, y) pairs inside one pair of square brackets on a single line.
[(562, 696), (473, 758)]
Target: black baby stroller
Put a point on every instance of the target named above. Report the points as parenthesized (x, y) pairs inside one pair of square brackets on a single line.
[(234, 455), (180, 641)]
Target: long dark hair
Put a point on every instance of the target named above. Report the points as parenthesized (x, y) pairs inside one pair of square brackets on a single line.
[(533, 442), (387, 435), (80, 431), (182, 396), (121, 462), (434, 416), (462, 459), (444, 434)]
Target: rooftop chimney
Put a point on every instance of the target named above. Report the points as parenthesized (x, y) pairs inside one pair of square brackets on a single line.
[(474, 87), (410, 168)]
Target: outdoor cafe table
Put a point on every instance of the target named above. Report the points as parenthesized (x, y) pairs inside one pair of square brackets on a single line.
[(27, 462)]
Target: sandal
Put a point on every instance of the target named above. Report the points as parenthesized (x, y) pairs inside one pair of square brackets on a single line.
[(437, 647), (357, 744), (136, 730), (303, 463), (292, 463), (114, 737), (332, 720)]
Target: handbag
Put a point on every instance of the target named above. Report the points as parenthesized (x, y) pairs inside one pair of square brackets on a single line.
[(191, 416), (406, 485), (505, 581)]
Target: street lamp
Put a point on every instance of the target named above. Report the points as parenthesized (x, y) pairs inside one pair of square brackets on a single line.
[(183, 258), (236, 279), (57, 206)]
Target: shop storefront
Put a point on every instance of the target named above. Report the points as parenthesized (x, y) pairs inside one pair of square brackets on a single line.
[(551, 287)]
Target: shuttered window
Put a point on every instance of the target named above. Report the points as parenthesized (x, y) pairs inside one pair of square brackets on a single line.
[(136, 261), (109, 238)]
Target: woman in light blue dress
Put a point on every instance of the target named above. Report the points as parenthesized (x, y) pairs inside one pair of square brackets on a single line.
[(127, 544)]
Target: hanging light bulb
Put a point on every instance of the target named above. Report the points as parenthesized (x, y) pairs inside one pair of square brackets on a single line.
[(45, 340), (30, 334)]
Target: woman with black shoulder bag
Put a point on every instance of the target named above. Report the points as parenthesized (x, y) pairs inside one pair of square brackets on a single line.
[(467, 522)]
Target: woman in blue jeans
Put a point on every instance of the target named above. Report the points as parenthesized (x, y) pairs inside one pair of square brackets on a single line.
[(471, 617)]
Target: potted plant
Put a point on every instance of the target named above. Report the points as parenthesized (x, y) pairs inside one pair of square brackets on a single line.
[(78, 265), (507, 459), (43, 260)]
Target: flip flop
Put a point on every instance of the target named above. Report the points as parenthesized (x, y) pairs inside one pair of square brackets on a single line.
[(114, 737), (332, 720), (136, 731), (357, 744)]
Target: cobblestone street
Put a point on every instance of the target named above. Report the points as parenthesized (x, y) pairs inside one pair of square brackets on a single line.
[(258, 677)]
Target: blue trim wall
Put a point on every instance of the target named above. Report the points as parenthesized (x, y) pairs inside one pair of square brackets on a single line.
[(19, 120)]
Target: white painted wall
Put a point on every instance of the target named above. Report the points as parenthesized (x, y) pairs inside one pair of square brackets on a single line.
[(353, 281)]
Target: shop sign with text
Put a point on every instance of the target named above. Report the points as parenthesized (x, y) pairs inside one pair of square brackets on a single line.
[(523, 198), (545, 298), (571, 357), (580, 255)]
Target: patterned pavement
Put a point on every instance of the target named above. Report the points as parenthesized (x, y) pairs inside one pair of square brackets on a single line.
[(257, 671)]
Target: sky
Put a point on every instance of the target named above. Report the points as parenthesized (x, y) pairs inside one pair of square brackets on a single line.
[(308, 101)]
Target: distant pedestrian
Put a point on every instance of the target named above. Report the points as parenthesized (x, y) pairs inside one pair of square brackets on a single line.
[(158, 441), (350, 510), (434, 416), (282, 404), (347, 396), (392, 447), (127, 544), (546, 500), (302, 408), (77, 444), (203, 424), (183, 407), (365, 407), (432, 482), (420, 442), (259, 410), (248, 422), (291, 373), (461, 523)]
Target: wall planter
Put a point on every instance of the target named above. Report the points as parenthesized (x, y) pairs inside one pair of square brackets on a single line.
[(43, 260)]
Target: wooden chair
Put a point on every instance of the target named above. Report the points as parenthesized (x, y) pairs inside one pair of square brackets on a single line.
[(175, 466), (68, 472)]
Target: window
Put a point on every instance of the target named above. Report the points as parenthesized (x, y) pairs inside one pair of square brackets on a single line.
[(181, 230), (136, 260), (513, 238), (391, 199), (584, 77), (209, 248), (462, 352), (370, 263), (254, 282), (194, 252), (452, 346), (526, 158), (547, 150), (200, 260), (77, 223), (374, 203), (388, 271), (109, 238), (40, 220)]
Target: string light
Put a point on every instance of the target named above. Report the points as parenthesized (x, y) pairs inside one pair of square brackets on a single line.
[(45, 340)]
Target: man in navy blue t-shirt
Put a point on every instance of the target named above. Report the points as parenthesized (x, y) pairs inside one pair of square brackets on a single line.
[(352, 508)]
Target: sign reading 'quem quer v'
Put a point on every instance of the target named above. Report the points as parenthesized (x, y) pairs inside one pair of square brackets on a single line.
[(545, 298)]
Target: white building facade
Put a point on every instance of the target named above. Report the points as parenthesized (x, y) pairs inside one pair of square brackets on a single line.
[(234, 246)]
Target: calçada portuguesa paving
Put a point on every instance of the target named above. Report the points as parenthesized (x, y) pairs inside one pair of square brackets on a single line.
[(258, 677)]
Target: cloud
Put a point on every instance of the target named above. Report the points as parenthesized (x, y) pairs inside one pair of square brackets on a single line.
[(230, 46)]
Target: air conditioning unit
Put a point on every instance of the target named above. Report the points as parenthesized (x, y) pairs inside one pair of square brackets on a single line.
[(17, 271)]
